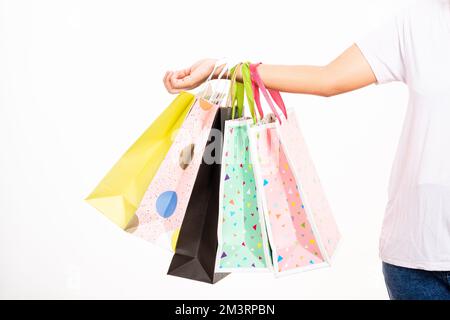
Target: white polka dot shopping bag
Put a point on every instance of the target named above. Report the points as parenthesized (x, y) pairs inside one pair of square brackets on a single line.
[(160, 214), (163, 206)]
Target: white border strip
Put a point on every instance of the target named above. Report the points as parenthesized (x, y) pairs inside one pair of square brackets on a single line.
[(253, 131)]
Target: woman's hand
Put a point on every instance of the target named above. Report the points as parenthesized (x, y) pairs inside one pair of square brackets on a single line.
[(189, 78)]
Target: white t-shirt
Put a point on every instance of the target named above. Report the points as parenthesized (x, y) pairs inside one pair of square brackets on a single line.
[(415, 48)]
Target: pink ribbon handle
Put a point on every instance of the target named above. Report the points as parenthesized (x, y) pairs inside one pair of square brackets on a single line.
[(256, 97), (257, 83)]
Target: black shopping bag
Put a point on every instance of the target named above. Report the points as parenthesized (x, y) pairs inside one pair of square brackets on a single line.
[(196, 248)]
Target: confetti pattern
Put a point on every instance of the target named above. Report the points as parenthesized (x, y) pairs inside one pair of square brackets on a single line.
[(303, 165), (163, 206), (293, 242), (242, 239)]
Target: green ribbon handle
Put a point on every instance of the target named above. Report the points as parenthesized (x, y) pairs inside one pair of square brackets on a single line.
[(249, 90), (236, 94), (240, 99), (237, 91)]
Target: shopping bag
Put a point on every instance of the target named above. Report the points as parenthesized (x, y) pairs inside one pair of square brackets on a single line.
[(243, 244), (196, 247), (162, 209), (119, 193), (302, 231)]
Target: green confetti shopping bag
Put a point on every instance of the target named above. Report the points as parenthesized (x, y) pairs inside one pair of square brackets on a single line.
[(243, 243)]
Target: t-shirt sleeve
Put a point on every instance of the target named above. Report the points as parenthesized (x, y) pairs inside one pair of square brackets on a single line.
[(384, 50)]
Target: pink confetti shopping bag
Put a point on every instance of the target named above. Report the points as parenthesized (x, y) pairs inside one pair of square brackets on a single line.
[(302, 231)]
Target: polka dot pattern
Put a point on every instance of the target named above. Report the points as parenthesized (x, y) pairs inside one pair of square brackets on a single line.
[(166, 203), (162, 208)]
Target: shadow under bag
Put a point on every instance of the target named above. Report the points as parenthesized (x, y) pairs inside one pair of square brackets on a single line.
[(196, 247)]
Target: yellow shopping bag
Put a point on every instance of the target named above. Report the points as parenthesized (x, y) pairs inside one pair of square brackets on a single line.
[(120, 192)]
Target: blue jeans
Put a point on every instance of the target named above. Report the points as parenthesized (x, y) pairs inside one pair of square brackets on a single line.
[(413, 284)]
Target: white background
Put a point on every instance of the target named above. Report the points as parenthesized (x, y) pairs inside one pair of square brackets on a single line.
[(81, 80)]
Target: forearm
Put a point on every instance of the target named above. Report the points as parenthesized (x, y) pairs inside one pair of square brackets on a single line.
[(294, 78), (348, 72)]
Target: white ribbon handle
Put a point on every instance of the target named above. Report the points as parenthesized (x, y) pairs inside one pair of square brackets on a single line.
[(217, 91), (228, 64), (220, 87), (207, 83)]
